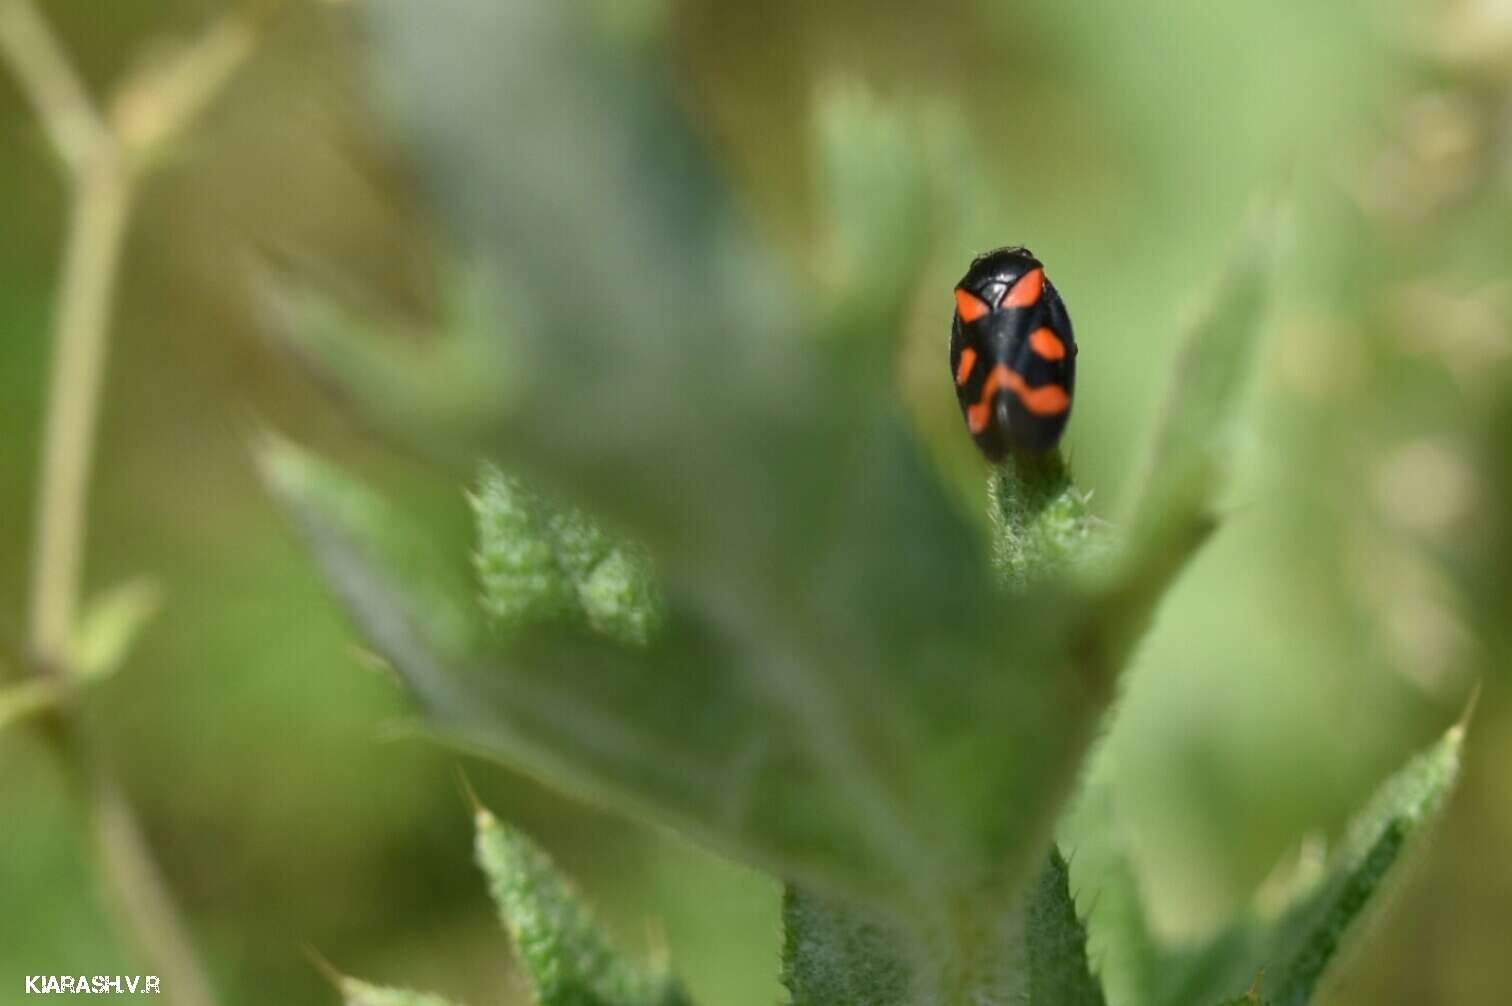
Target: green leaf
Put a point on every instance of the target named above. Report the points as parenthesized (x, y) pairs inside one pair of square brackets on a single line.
[(353, 529), (110, 625), (523, 583), (1190, 454), (539, 564), (874, 185), (670, 731), (432, 387), (1119, 937), (836, 687), (1043, 524), (564, 954), (1293, 949), (1058, 972), (1044, 528), (360, 993), (1308, 939), (725, 464), (836, 954)]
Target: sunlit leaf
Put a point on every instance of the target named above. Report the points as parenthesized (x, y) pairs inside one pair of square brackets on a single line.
[(1193, 444), (1293, 950), (1178, 510), (1307, 940)]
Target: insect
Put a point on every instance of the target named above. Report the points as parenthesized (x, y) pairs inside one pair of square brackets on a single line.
[(1012, 354)]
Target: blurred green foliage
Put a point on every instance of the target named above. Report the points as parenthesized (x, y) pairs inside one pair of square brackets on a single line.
[(1329, 630), (566, 958)]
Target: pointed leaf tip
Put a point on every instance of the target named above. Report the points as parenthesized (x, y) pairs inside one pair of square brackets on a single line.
[(1380, 839), (1189, 459), (1059, 974), (1297, 949), (565, 956), (414, 605), (1189, 455), (111, 625)]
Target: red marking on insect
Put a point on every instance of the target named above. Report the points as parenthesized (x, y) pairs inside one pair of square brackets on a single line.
[(968, 362), (970, 306), (976, 417), (1046, 344), (1026, 292), (1045, 400)]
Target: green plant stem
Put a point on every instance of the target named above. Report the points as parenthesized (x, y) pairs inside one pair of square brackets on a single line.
[(141, 894), (104, 158), (1042, 521), (101, 208), (44, 73)]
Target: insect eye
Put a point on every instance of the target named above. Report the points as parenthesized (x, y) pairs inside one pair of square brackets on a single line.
[(969, 306)]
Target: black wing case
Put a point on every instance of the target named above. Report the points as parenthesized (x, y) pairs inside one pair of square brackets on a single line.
[(1012, 355)]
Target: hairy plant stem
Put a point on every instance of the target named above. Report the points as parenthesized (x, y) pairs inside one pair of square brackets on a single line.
[(104, 157)]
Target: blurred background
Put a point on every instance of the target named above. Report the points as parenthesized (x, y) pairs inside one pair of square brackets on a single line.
[(1337, 623)]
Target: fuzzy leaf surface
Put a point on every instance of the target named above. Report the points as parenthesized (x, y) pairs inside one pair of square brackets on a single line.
[(1056, 940), (540, 563), (838, 955), (565, 956), (605, 720), (1035, 952)]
